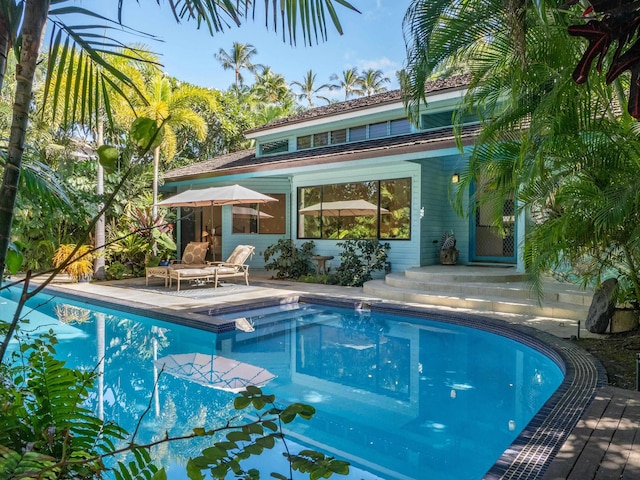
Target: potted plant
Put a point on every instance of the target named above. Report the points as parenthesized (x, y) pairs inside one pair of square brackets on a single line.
[(80, 268), (448, 252)]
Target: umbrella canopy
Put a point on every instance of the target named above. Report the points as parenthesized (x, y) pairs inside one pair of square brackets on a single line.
[(230, 195), (214, 371), (345, 208)]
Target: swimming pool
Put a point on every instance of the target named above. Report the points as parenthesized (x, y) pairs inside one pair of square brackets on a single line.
[(396, 396)]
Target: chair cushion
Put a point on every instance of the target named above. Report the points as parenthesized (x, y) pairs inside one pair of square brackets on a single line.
[(195, 253), (226, 270), (194, 272), (240, 254)]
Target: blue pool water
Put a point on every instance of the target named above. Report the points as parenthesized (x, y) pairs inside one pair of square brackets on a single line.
[(397, 397)]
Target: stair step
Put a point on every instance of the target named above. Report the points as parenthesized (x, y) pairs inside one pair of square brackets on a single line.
[(496, 303), (553, 292)]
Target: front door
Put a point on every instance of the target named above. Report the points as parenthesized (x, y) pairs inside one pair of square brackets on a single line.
[(487, 244)]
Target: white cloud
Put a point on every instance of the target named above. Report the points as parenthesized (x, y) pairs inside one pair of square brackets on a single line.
[(388, 68)]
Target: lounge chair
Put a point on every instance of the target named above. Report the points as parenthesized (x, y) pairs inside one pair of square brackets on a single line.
[(193, 256), (234, 266)]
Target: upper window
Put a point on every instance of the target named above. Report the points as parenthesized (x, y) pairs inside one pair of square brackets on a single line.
[(358, 133), (400, 126), (303, 142), (374, 209), (321, 139), (279, 146), (264, 218), (338, 136), (377, 130)]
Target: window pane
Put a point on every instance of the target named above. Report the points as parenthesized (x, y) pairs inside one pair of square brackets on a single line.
[(303, 142), (395, 199), (245, 218), (321, 139), (309, 223), (436, 120), (350, 210), (358, 133), (279, 146), (377, 130), (272, 215), (400, 126), (339, 136)]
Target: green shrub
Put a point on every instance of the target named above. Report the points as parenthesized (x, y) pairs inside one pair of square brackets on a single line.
[(315, 278), (287, 260), (359, 259), (116, 271)]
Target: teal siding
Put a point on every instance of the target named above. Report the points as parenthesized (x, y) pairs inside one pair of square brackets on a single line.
[(439, 215)]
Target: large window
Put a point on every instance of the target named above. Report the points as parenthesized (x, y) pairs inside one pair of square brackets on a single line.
[(374, 209), (263, 218)]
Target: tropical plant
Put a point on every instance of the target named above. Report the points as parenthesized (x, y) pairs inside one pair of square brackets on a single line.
[(173, 106), (47, 431), (272, 88), (359, 259), (372, 82), (76, 261), (238, 59), (543, 136), (350, 82), (288, 260), (309, 90), (28, 24)]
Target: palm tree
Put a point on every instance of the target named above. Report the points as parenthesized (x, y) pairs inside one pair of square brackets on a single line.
[(308, 88), (237, 60), (350, 82), (271, 87), (29, 24), (373, 81), (172, 105)]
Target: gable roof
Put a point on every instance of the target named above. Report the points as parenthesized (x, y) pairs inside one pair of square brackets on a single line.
[(362, 103), (245, 161)]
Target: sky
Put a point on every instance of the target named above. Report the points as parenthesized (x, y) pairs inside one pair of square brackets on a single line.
[(371, 39)]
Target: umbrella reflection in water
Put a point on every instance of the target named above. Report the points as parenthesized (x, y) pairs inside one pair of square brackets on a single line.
[(215, 371)]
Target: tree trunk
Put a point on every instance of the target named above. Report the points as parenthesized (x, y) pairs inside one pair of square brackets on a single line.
[(156, 179), (98, 264), (5, 35), (35, 19)]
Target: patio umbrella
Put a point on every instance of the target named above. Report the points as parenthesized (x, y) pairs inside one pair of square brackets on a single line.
[(214, 371), (214, 196), (345, 208)]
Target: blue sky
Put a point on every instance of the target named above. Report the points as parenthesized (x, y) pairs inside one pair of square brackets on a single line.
[(372, 39)]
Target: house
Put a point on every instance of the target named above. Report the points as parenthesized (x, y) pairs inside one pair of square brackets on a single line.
[(355, 169)]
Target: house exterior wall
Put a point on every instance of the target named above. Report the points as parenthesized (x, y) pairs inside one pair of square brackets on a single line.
[(438, 213)]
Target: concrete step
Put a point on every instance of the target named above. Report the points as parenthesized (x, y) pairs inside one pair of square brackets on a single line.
[(553, 291), (481, 301)]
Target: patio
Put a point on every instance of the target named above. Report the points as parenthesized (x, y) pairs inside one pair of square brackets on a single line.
[(602, 422)]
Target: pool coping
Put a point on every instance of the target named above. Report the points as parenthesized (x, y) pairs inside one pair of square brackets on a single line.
[(531, 453)]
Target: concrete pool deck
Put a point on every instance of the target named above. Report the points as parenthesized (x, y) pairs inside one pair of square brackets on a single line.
[(572, 437)]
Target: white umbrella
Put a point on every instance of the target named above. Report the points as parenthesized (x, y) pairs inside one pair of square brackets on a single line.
[(214, 371), (345, 208), (230, 195)]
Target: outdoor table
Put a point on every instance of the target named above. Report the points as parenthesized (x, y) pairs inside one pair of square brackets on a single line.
[(162, 272)]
